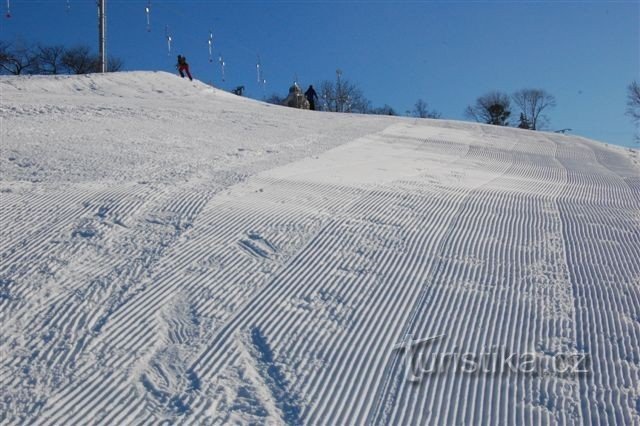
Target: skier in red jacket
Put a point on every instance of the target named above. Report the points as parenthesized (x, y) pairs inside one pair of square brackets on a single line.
[(183, 67)]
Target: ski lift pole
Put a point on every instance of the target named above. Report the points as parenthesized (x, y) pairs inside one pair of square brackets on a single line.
[(102, 41)]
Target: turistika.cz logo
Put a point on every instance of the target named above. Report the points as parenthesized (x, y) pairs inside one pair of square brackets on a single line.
[(421, 362)]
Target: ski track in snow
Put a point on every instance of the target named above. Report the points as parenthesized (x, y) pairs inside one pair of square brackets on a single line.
[(172, 253)]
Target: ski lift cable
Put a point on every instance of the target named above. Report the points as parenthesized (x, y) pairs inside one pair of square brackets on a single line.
[(187, 38), (190, 39), (233, 40)]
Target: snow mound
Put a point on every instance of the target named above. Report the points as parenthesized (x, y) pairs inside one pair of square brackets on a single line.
[(174, 253), (123, 84)]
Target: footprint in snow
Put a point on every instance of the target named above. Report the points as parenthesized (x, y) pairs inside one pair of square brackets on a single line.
[(256, 246)]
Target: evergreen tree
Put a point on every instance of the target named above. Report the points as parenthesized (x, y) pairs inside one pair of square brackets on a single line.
[(499, 114), (524, 123), (421, 110), (491, 108), (532, 103)]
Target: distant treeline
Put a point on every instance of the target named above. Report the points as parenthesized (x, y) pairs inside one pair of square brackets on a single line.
[(495, 108), (22, 58), (340, 95)]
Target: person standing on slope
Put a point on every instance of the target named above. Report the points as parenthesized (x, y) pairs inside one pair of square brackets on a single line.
[(311, 96), (183, 67)]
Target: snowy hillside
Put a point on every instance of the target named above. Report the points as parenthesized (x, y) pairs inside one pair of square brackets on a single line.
[(173, 252)]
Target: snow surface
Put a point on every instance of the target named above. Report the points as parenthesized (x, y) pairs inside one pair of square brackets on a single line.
[(171, 252)]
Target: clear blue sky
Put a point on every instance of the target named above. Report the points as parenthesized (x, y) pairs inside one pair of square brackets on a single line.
[(447, 53)]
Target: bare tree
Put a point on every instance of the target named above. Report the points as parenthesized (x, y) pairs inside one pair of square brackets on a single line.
[(532, 103), (21, 58), (50, 59), (275, 99), (491, 108), (80, 60), (5, 56), (342, 96), (17, 59), (633, 101), (114, 64), (421, 110), (633, 106), (384, 110), (326, 95)]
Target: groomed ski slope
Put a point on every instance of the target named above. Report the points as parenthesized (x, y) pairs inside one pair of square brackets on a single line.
[(173, 253)]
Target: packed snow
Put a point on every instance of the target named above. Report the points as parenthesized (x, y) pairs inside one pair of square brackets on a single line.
[(172, 253)]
